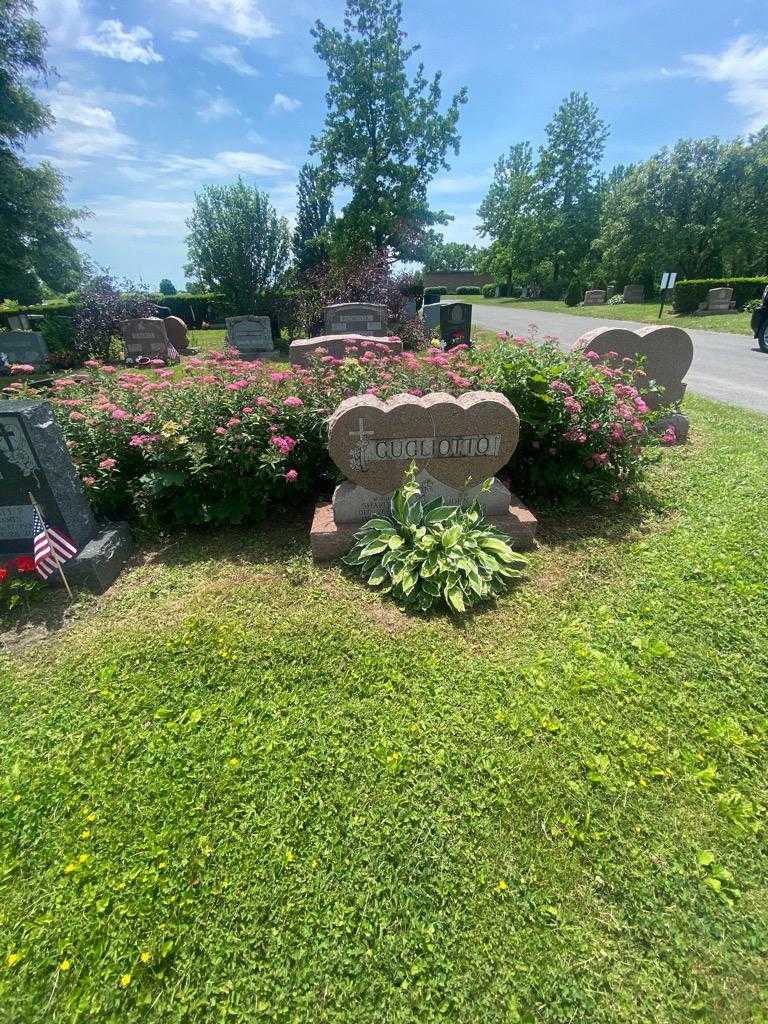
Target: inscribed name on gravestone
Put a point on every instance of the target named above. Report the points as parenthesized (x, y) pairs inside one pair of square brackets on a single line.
[(301, 351), (357, 318), (34, 459), (27, 347), (250, 334), (666, 351), (145, 338), (634, 293), (455, 440)]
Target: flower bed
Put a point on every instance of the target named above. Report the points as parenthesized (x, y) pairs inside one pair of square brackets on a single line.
[(221, 441)]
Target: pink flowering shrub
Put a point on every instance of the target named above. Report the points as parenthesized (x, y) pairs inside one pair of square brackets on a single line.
[(584, 426), (221, 441)]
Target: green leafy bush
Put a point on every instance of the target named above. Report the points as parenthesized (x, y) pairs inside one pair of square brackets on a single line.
[(489, 291), (434, 554), (616, 300), (468, 289), (575, 293), (433, 294), (752, 305), (688, 295)]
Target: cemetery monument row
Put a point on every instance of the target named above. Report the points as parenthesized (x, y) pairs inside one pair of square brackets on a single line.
[(34, 459), (250, 335), (301, 350), (145, 338), (356, 318), (668, 354), (27, 347), (456, 443)]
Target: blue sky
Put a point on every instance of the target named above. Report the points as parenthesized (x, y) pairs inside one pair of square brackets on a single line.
[(155, 99)]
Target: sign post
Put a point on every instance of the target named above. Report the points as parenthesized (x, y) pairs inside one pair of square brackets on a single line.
[(668, 279)]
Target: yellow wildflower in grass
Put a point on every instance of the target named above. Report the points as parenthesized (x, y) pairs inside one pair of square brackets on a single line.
[(289, 856), (85, 834), (233, 762), (503, 886), (13, 958), (65, 965), (125, 980), (16, 797), (84, 857), (91, 816), (70, 868), (145, 957)]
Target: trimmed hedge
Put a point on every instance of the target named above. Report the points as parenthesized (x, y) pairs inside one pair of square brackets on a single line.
[(489, 291), (434, 294), (689, 294), (468, 289)]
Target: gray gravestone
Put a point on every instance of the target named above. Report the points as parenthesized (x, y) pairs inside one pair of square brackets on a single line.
[(145, 338), (357, 318), (634, 293), (594, 297), (34, 459), (455, 324), (26, 347), (431, 314), (250, 335), (719, 300)]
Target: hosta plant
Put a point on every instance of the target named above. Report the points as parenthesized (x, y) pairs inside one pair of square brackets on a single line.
[(433, 553)]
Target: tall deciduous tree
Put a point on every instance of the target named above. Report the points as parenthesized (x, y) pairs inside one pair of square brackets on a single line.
[(314, 216), (237, 243), (385, 137), (569, 180), (510, 214), (442, 255), (36, 226)]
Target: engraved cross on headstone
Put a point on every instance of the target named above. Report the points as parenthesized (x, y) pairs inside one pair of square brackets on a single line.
[(358, 453)]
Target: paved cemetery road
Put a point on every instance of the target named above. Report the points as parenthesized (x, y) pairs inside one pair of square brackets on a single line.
[(728, 367)]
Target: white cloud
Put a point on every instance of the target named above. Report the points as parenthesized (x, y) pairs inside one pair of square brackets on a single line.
[(231, 57), (215, 108), (184, 35), (284, 104), (242, 17), (62, 19), (112, 39), (84, 129), (139, 218), (743, 68)]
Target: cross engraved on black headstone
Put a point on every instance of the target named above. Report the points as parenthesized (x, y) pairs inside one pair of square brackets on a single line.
[(8, 436)]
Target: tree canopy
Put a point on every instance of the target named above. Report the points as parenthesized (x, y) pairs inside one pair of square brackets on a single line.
[(37, 228), (237, 243), (385, 136), (314, 218), (441, 255)]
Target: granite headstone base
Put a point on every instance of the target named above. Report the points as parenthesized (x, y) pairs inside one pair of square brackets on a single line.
[(99, 563), (678, 421), (303, 350), (335, 524)]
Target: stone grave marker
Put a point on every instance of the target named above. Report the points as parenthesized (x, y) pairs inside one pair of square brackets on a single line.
[(22, 347), (302, 350), (456, 443), (34, 459), (454, 321), (250, 335), (634, 293), (356, 318), (719, 300), (668, 354), (594, 297), (145, 338), (176, 330)]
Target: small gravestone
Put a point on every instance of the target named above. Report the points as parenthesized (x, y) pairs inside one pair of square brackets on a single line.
[(667, 353), (456, 443), (250, 335), (356, 318), (634, 293), (452, 319), (410, 308), (176, 330), (34, 460), (594, 297), (145, 338), (719, 300), (22, 347), (301, 351)]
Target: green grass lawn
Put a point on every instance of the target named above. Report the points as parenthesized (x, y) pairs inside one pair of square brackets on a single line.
[(642, 312), (239, 787)]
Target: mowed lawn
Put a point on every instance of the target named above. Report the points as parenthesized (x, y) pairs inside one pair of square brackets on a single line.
[(239, 787), (642, 312)]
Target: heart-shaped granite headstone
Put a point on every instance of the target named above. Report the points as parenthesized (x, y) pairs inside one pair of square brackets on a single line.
[(456, 440), (668, 354)]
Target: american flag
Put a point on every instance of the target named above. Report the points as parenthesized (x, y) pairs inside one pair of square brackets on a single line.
[(50, 544)]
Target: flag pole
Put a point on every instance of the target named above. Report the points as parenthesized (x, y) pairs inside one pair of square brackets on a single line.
[(50, 545)]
